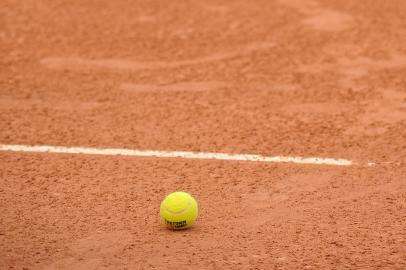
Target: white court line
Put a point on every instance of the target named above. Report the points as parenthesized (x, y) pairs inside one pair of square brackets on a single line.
[(175, 154)]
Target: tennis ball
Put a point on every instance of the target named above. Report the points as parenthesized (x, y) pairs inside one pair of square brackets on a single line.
[(178, 210)]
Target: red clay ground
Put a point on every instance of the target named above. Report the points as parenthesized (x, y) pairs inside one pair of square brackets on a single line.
[(289, 77)]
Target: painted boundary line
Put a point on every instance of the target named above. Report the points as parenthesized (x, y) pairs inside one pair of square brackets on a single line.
[(175, 154)]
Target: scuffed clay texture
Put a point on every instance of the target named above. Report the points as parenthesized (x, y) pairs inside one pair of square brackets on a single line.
[(290, 77)]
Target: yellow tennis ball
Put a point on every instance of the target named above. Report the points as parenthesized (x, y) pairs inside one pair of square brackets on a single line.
[(178, 210)]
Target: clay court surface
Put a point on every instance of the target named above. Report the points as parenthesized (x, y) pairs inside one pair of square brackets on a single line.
[(285, 78)]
